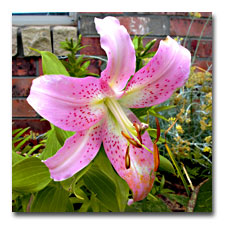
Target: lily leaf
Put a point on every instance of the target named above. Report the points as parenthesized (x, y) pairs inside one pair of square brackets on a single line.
[(51, 199), (110, 189), (204, 199), (51, 64), (30, 175), (16, 158), (165, 165), (52, 145), (62, 135)]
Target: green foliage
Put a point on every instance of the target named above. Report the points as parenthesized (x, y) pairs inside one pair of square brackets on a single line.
[(149, 204), (51, 64), (117, 188), (76, 66), (143, 53), (29, 175), (165, 165), (53, 198), (204, 199)]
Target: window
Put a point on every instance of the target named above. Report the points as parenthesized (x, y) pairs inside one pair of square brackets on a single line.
[(44, 18)]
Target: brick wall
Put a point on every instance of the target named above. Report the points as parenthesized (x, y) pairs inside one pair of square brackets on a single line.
[(26, 64)]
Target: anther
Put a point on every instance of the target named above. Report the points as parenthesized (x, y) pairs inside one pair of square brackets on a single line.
[(138, 129), (155, 148), (130, 140), (127, 158)]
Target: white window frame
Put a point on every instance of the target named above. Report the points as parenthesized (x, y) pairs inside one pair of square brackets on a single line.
[(23, 20)]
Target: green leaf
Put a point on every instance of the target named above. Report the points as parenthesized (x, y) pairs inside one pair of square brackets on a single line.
[(22, 142), (150, 204), (52, 145), (122, 188), (181, 199), (30, 175), (153, 113), (156, 204), (16, 158), (19, 134), (70, 183), (85, 206), (16, 131), (104, 188), (163, 108), (140, 111), (94, 203), (62, 135), (204, 198), (51, 64), (153, 133), (148, 46), (34, 149), (85, 65), (178, 169), (51, 199), (165, 165), (135, 42)]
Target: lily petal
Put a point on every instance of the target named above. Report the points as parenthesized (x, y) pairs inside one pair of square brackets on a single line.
[(155, 82), (139, 175), (69, 103), (119, 48), (77, 152)]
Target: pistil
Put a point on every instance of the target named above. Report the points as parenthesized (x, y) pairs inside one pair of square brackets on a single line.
[(121, 117), (131, 131)]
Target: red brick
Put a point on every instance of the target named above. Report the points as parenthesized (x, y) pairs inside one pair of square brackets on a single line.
[(144, 25), (21, 87), (40, 71), (100, 12), (155, 46), (164, 13), (177, 13), (205, 14), (204, 64), (179, 27), (35, 125), (93, 47), (95, 66), (24, 67), (21, 108), (204, 48)]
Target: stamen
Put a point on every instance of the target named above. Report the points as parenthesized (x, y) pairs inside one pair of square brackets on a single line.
[(138, 129), (131, 141), (127, 158), (156, 157), (155, 148)]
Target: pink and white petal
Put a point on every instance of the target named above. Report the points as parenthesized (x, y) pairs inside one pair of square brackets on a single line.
[(119, 48), (155, 82), (69, 103), (77, 152), (140, 175)]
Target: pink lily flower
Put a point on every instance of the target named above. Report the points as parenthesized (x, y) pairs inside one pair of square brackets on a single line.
[(98, 108)]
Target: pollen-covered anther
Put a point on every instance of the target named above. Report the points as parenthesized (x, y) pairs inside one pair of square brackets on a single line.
[(138, 130), (131, 140), (127, 158)]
